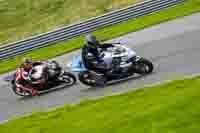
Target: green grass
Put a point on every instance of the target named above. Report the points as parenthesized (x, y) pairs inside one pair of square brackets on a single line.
[(23, 18), (187, 8), (168, 108)]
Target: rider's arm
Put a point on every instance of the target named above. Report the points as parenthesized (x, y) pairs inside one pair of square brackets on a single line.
[(25, 75), (86, 51)]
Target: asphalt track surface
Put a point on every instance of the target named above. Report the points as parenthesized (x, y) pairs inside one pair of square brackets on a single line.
[(173, 47)]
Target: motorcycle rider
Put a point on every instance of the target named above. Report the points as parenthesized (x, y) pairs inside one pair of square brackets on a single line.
[(94, 47), (23, 80)]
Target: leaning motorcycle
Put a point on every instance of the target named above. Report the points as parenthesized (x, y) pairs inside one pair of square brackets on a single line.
[(122, 62), (55, 77)]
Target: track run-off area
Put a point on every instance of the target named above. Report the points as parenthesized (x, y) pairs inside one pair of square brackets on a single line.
[(173, 47)]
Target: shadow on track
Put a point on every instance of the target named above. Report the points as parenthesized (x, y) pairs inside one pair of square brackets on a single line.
[(58, 88)]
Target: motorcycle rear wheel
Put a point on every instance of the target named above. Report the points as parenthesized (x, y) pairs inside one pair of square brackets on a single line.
[(90, 79), (69, 78)]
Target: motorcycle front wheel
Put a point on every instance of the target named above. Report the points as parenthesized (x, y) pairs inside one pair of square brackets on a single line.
[(20, 93), (144, 66)]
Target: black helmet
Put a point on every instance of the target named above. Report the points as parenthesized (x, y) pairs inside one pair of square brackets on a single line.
[(91, 41), (27, 60)]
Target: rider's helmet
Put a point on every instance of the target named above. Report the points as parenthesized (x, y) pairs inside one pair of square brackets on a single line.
[(91, 41), (27, 63)]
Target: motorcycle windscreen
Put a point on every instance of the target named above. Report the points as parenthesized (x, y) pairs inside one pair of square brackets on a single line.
[(76, 65)]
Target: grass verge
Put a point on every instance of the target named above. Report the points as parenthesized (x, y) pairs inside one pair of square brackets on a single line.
[(23, 18), (187, 8), (172, 107)]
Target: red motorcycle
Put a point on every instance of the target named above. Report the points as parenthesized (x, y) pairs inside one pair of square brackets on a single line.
[(51, 75)]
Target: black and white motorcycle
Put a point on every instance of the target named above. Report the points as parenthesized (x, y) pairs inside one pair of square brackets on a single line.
[(122, 62)]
